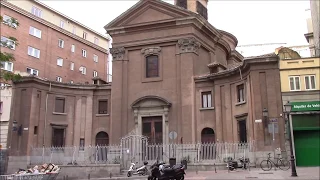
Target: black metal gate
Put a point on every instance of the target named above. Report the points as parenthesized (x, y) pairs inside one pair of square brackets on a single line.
[(3, 161)]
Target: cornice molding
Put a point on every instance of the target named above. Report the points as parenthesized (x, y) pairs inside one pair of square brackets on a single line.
[(216, 35), (34, 79), (55, 27), (242, 66)]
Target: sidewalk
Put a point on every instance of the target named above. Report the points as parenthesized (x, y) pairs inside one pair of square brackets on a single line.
[(309, 173)]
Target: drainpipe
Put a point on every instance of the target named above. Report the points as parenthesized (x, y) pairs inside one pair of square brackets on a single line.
[(45, 123)]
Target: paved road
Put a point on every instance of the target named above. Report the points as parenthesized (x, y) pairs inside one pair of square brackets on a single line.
[(310, 173)]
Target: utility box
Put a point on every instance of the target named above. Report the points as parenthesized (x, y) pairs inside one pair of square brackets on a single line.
[(185, 163), (172, 161)]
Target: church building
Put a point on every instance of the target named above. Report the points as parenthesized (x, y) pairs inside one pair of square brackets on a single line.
[(173, 72)]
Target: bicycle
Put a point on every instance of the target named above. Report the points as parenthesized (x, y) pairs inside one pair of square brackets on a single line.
[(282, 164)]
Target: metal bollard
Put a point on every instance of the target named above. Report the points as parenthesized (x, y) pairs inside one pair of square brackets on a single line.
[(215, 168), (88, 176), (67, 177), (110, 175)]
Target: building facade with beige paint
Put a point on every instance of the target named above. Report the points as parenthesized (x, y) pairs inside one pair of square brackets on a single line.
[(5, 105), (172, 72), (300, 87)]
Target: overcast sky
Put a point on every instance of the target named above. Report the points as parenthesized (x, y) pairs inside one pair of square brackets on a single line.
[(252, 22)]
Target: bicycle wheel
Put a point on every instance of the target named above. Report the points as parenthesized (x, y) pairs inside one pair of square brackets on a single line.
[(283, 164), (266, 165)]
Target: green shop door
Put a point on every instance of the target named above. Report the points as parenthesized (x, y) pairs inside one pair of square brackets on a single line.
[(307, 147)]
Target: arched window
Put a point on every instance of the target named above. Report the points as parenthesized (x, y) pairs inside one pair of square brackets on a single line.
[(207, 135), (102, 139), (152, 66)]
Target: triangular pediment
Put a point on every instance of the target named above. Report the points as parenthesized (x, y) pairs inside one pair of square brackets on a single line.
[(146, 11)]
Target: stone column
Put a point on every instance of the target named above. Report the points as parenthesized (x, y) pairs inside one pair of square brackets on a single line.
[(165, 126), (188, 54), (136, 120)]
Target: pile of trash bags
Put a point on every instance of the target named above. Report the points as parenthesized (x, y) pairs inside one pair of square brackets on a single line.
[(41, 169)]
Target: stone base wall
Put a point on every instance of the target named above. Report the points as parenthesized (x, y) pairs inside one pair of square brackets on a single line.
[(94, 171), (16, 162), (104, 170), (73, 172)]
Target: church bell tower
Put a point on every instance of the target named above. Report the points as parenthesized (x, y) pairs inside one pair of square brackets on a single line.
[(197, 6)]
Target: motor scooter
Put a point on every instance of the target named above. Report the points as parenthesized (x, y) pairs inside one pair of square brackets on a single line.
[(141, 171), (233, 164)]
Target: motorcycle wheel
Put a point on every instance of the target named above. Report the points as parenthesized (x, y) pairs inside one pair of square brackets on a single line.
[(180, 178), (129, 174)]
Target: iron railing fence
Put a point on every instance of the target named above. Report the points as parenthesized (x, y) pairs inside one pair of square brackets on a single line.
[(117, 154), (199, 152), (75, 155)]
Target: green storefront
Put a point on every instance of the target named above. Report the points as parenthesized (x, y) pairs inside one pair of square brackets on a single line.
[(306, 132)]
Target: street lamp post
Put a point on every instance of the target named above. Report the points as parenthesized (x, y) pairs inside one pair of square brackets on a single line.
[(265, 116), (287, 109), (14, 125)]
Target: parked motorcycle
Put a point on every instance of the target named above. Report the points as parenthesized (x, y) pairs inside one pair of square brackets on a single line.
[(244, 163), (141, 171), (233, 164), (160, 171)]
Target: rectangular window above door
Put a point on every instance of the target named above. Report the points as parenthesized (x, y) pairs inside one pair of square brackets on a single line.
[(103, 107), (206, 99), (59, 105), (240, 93)]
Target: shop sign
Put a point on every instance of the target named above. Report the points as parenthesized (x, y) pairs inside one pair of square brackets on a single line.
[(305, 106)]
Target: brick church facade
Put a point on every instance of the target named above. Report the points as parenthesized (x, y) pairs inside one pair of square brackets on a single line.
[(172, 72)]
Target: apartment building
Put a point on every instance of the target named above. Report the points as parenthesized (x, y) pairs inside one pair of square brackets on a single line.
[(300, 86), (49, 49), (313, 25)]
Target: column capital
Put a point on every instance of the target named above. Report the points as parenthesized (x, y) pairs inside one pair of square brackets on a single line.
[(151, 51), (117, 53), (188, 45)]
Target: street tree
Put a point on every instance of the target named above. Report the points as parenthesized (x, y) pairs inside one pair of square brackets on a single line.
[(5, 58)]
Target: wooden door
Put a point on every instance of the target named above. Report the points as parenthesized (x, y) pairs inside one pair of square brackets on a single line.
[(58, 137), (152, 128)]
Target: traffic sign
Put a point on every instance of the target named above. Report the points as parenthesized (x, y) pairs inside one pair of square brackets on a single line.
[(173, 135)]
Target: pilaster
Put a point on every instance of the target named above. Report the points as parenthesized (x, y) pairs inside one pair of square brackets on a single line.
[(188, 50), (116, 118)]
